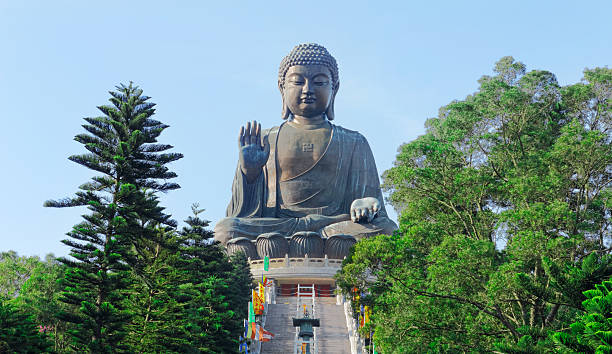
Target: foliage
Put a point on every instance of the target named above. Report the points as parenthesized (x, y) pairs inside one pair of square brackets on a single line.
[(122, 147), (187, 297), (14, 272), (154, 326), (210, 323), (505, 218), (39, 297), (18, 332), (133, 282), (592, 333), (31, 287), (241, 282)]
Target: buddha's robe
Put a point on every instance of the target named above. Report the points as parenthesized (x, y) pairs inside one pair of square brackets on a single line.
[(318, 199)]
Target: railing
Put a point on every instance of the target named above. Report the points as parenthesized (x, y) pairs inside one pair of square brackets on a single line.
[(297, 262), (271, 293), (300, 294), (320, 292), (353, 328)]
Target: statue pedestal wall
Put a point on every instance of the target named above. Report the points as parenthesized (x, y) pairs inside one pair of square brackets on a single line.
[(300, 270)]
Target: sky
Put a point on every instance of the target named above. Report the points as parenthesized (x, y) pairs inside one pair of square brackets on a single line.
[(211, 66)]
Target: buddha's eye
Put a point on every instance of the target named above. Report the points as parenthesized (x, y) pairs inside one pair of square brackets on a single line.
[(296, 80), (320, 80)]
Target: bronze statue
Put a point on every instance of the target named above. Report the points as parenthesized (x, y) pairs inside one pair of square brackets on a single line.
[(307, 174)]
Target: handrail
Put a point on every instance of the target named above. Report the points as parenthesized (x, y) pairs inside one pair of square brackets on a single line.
[(318, 292), (315, 343), (312, 293), (297, 261), (294, 259)]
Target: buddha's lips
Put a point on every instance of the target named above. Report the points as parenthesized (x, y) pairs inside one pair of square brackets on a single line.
[(308, 100)]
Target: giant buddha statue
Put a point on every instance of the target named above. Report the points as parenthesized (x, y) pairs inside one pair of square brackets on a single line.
[(307, 174)]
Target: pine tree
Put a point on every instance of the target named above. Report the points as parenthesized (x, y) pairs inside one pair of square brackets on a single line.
[(155, 325), (122, 147), (592, 333), (210, 323), (18, 332), (241, 282)]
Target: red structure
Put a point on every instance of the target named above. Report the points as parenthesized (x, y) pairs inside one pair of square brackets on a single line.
[(321, 290)]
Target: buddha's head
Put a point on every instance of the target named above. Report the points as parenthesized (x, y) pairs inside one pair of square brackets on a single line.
[(308, 82)]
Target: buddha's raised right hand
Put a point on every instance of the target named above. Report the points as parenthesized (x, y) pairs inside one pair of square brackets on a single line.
[(253, 154)]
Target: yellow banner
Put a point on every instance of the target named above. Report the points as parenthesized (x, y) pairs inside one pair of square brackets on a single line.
[(262, 292), (257, 304)]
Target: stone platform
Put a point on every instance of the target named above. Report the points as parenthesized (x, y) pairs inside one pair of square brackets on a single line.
[(303, 270)]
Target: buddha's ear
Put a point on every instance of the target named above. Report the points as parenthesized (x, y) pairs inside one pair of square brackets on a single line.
[(286, 113), (330, 109)]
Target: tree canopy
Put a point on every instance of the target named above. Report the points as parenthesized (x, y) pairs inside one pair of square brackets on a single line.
[(504, 218)]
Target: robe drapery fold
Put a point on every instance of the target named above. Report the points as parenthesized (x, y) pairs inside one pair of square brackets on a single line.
[(267, 205)]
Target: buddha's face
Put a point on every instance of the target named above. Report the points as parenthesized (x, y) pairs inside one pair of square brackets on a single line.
[(308, 90)]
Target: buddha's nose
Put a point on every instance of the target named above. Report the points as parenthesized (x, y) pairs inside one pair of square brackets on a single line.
[(307, 88)]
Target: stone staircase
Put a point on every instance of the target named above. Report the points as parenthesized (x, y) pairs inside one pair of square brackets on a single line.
[(278, 321), (332, 335)]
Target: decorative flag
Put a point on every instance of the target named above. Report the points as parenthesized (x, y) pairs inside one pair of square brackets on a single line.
[(366, 314), (251, 312), (244, 348), (266, 263), (361, 319), (262, 292), (254, 331), (257, 304), (250, 330), (264, 335), (266, 282)]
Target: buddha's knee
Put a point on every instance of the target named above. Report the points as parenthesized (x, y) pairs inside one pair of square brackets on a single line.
[(385, 225), (223, 229), (380, 225)]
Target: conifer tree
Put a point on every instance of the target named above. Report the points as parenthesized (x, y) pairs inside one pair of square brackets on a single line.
[(18, 332), (241, 282), (210, 323), (155, 324), (122, 148), (592, 333)]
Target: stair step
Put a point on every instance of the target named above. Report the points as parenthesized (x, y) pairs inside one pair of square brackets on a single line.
[(332, 336)]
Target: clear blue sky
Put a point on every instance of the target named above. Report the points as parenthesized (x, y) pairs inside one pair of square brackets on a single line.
[(212, 65)]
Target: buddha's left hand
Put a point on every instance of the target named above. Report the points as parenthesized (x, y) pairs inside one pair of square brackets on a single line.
[(364, 209)]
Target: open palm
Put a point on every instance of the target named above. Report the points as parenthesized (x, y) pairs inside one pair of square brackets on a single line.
[(253, 154)]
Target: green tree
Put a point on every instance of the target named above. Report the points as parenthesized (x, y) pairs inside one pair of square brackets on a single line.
[(15, 270), (18, 332), (504, 218), (122, 147), (592, 333), (241, 283), (155, 325), (39, 297), (209, 320)]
